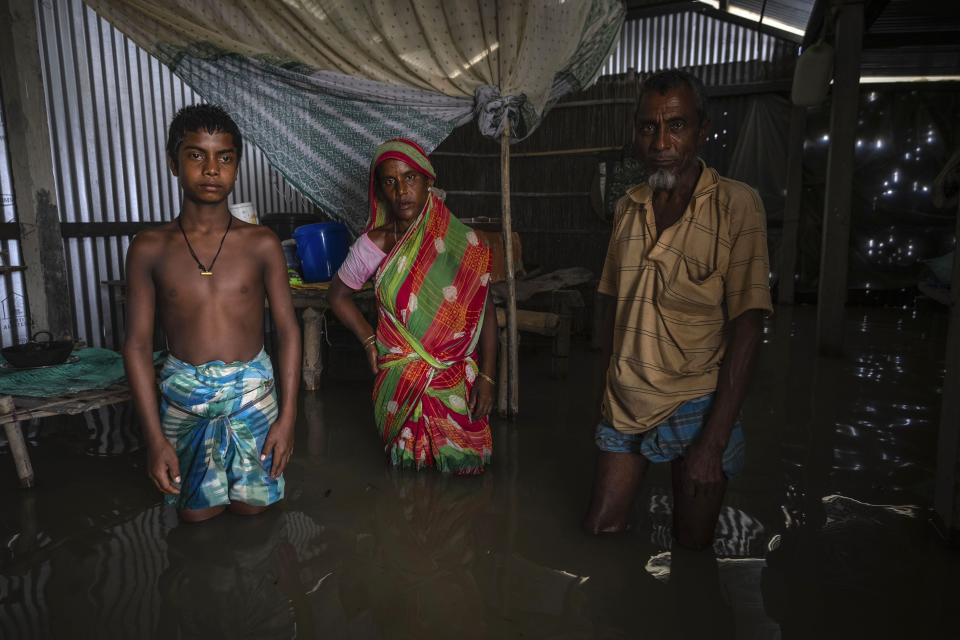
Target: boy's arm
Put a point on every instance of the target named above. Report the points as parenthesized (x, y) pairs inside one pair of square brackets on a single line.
[(279, 441), (162, 465)]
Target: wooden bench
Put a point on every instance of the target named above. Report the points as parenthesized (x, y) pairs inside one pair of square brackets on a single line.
[(17, 409)]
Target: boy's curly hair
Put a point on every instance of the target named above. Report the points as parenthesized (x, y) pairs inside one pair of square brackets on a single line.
[(201, 117)]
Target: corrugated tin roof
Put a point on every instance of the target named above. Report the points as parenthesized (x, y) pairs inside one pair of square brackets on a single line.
[(793, 13), (911, 38), (787, 16), (723, 53)]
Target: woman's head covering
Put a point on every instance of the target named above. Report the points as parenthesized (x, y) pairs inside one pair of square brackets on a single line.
[(401, 149)]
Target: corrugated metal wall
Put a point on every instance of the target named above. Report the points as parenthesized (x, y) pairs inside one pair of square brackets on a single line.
[(109, 104), (692, 39), (13, 304)]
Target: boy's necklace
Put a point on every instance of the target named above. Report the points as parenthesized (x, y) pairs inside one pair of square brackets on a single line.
[(204, 271)]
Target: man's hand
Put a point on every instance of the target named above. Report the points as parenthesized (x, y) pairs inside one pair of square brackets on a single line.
[(481, 398), (163, 467), (703, 468), (371, 351), (279, 443)]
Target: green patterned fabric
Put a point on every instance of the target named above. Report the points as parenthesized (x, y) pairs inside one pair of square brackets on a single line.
[(95, 369)]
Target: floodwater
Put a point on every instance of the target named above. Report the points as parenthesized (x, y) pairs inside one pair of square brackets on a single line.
[(825, 534)]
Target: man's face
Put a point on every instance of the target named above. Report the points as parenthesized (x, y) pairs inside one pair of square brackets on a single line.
[(403, 188), (206, 165), (668, 135)]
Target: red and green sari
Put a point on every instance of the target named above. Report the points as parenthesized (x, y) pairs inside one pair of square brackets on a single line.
[(431, 292)]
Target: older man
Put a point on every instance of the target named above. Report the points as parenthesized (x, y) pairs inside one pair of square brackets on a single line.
[(684, 288)]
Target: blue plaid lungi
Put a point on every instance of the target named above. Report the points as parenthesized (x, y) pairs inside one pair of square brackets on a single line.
[(217, 416), (669, 440)]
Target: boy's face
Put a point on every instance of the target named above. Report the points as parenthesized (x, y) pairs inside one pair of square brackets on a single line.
[(206, 165)]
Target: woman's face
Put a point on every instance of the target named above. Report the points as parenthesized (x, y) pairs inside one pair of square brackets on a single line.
[(404, 189)]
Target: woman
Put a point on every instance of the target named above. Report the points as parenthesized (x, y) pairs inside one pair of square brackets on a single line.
[(431, 397)]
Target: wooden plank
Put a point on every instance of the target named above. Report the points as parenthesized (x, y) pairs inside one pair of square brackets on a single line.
[(28, 408), (541, 322), (553, 281), (104, 229), (586, 151), (524, 194), (832, 295)]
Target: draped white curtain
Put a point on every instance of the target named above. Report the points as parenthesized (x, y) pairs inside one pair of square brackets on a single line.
[(317, 84)]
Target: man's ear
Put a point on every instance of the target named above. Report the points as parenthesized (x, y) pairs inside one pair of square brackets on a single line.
[(705, 128), (172, 165), (429, 182)]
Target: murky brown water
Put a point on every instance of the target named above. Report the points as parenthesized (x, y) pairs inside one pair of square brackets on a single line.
[(802, 550)]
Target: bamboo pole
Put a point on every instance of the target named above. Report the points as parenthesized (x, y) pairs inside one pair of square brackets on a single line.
[(18, 448), (513, 367)]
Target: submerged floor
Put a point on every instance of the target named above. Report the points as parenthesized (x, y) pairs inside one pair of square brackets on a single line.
[(805, 547)]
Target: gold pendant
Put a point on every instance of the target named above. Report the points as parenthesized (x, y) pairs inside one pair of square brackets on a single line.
[(206, 273)]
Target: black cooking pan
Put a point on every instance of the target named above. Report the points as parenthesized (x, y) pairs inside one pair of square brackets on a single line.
[(38, 354)]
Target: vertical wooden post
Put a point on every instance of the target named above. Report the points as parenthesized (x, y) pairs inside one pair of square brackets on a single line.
[(503, 388), (31, 164), (18, 448), (312, 349), (947, 495), (836, 215), (791, 211), (513, 368)]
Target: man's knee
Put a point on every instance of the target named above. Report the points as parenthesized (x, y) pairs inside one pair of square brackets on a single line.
[(199, 515), (617, 479), (596, 525), (244, 509)]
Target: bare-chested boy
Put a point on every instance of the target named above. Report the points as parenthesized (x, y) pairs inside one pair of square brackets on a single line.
[(217, 437)]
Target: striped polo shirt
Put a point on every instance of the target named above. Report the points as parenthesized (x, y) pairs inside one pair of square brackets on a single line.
[(675, 293)]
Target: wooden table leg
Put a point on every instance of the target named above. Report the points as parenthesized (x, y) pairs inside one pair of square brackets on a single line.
[(502, 373), (560, 362), (312, 349), (18, 448), (562, 306)]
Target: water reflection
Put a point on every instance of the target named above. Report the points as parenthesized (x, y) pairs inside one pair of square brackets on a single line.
[(232, 577), (802, 548)]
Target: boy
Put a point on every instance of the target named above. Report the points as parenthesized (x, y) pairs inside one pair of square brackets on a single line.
[(217, 439)]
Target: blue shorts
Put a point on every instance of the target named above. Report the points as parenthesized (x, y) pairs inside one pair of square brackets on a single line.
[(670, 439)]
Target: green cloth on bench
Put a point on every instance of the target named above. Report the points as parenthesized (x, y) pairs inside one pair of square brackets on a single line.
[(96, 369)]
